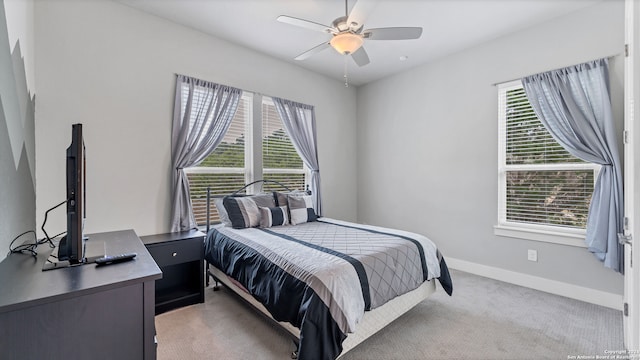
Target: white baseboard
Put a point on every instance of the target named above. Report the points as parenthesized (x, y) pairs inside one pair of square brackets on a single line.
[(610, 300)]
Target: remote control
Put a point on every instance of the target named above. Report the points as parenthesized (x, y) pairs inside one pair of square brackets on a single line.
[(113, 259)]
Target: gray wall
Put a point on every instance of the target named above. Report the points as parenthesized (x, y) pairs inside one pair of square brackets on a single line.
[(426, 139), (17, 133), (427, 144), (112, 68)]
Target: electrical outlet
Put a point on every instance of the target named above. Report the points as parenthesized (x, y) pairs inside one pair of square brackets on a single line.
[(532, 255)]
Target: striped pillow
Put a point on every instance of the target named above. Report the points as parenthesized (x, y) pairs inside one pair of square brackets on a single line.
[(243, 211), (273, 216), (301, 209), (246, 215), (222, 212)]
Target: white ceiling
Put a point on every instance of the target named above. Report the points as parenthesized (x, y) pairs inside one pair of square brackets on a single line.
[(448, 26)]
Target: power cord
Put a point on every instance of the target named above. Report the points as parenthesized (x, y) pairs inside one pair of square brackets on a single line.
[(30, 248), (24, 247), (46, 214)]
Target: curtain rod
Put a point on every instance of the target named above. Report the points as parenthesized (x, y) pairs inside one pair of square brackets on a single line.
[(562, 67), (251, 91)]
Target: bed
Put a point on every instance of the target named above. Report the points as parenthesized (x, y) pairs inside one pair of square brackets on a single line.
[(329, 283)]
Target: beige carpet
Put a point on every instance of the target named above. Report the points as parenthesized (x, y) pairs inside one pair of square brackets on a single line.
[(485, 319)]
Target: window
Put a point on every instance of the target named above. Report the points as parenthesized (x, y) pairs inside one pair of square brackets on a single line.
[(280, 160), (255, 147), (542, 187)]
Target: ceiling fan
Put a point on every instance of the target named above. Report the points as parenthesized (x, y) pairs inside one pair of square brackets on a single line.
[(347, 32)]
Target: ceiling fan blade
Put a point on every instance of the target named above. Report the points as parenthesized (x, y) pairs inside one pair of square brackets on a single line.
[(312, 51), (305, 24), (360, 57), (393, 33), (360, 11)]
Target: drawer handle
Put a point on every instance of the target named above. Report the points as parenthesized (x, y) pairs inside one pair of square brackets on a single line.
[(174, 254)]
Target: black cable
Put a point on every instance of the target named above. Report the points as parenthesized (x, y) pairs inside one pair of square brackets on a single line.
[(24, 247), (45, 221), (31, 247)]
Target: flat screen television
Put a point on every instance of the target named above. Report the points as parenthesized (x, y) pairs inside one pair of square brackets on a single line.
[(71, 247)]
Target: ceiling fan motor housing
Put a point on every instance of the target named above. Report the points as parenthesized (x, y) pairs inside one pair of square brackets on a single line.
[(342, 26)]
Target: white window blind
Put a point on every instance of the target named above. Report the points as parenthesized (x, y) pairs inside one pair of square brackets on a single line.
[(280, 159), (224, 169), (540, 183)]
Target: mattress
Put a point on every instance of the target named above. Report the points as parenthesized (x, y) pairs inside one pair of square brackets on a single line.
[(322, 276)]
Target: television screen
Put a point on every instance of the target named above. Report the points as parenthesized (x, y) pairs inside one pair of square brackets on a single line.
[(71, 246)]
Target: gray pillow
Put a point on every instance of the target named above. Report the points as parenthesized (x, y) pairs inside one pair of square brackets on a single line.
[(264, 199), (301, 209), (281, 197)]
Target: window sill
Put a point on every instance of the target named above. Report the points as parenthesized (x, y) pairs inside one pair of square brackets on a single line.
[(550, 236)]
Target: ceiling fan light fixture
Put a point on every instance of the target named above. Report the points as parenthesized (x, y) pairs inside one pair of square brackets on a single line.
[(346, 43)]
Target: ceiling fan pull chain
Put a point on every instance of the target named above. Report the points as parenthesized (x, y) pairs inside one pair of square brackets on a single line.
[(346, 64)]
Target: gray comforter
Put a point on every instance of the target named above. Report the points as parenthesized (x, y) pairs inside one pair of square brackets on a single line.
[(351, 267)]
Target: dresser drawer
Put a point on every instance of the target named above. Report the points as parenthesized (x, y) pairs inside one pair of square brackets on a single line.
[(176, 252)]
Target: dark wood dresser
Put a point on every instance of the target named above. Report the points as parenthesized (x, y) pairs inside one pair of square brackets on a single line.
[(80, 312)]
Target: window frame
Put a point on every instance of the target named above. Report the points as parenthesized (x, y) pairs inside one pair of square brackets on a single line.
[(253, 157), (538, 232)]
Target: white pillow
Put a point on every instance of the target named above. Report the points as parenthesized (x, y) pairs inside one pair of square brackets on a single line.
[(301, 209), (222, 212)]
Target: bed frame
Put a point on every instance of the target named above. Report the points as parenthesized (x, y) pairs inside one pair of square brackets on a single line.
[(372, 321)]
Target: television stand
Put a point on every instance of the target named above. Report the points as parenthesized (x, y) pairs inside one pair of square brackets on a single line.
[(80, 312)]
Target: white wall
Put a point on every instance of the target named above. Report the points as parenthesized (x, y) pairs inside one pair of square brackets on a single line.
[(426, 139), (17, 133), (427, 145), (112, 68), (20, 27)]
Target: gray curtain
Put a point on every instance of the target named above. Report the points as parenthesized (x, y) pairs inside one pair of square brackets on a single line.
[(300, 123), (202, 114), (574, 105)]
